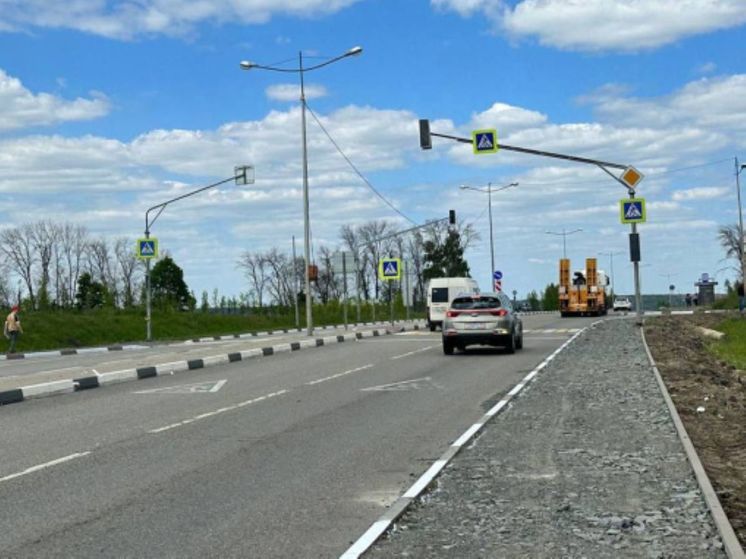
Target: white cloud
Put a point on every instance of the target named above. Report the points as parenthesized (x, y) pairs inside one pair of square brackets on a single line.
[(20, 108), (601, 25), (126, 20), (702, 193), (291, 92)]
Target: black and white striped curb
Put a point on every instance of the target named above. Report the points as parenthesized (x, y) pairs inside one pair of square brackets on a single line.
[(282, 331), (81, 351), (398, 508), (121, 347), (67, 386)]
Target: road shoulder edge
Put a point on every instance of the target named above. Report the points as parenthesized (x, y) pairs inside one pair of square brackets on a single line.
[(730, 541)]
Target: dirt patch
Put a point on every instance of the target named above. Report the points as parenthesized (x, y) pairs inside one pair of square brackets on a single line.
[(710, 396)]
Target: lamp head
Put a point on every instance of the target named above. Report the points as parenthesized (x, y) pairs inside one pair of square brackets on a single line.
[(354, 51), (247, 65)]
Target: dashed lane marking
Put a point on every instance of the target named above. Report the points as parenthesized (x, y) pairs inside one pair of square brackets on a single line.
[(39, 467)]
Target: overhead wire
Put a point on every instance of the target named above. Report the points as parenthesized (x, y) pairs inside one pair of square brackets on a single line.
[(357, 171)]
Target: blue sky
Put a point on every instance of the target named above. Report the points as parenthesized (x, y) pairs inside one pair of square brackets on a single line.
[(107, 108)]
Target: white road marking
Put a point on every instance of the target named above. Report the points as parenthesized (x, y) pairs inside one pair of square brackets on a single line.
[(413, 384), (192, 388), (39, 467), (218, 411), (319, 381), (413, 352)]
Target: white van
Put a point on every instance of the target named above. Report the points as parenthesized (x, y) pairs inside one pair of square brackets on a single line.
[(440, 293)]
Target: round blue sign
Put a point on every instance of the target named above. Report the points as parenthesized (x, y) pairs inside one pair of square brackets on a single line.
[(498, 275)]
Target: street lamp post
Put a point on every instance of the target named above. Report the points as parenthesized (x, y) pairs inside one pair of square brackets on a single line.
[(564, 237), (489, 190), (611, 266), (739, 169), (301, 70), (240, 177)]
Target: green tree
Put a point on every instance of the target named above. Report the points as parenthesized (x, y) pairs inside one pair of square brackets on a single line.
[(533, 301), (90, 294), (205, 306), (168, 286), (445, 260), (550, 301)]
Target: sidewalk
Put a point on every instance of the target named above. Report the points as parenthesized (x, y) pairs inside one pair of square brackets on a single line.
[(584, 462)]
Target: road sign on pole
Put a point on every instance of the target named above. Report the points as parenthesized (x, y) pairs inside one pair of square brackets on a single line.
[(631, 177), (632, 210), (498, 285), (147, 248), (484, 141), (497, 274), (389, 269)]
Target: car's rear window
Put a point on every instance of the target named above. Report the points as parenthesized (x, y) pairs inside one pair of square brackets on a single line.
[(466, 303), (440, 295)]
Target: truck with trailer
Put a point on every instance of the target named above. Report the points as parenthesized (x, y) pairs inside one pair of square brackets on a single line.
[(583, 294)]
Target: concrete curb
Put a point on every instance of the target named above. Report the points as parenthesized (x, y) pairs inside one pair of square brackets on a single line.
[(730, 541), (125, 347), (68, 386), (380, 526)]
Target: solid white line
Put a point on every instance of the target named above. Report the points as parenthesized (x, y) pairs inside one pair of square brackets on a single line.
[(425, 479), (468, 434), (516, 389), (216, 412), (497, 407), (319, 381), (33, 469), (413, 352), (366, 540)]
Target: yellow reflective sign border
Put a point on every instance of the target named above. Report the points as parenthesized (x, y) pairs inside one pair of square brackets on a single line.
[(484, 141), (389, 269), (147, 248), (632, 210)]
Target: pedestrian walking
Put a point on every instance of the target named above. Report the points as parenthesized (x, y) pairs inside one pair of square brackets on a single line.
[(688, 300), (13, 328)]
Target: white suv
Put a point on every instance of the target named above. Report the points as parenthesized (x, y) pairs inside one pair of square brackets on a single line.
[(622, 304)]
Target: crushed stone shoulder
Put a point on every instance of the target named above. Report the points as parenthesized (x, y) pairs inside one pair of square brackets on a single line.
[(585, 463)]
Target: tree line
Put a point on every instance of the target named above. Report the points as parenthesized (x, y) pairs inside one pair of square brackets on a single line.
[(62, 266)]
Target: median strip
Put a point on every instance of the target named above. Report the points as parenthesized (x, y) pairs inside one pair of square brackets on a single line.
[(74, 385)]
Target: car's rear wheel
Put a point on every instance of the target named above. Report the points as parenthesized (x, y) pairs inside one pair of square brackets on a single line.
[(510, 347), (519, 341), (448, 347)]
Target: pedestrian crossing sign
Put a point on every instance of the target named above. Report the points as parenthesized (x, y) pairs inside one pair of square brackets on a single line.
[(632, 210), (484, 141), (147, 248), (389, 269)]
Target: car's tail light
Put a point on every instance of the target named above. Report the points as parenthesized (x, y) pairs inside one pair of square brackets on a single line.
[(499, 312), (451, 314)]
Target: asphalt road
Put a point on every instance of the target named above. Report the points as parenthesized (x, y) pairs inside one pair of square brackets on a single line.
[(291, 456)]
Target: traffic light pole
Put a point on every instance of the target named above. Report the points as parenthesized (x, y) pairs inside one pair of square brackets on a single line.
[(426, 143)]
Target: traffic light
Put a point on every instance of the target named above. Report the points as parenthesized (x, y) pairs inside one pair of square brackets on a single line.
[(452, 217), (426, 142)]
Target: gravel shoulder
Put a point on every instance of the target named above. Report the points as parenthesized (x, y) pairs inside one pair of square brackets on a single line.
[(586, 462)]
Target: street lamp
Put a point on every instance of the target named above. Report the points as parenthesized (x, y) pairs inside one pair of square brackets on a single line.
[(242, 175), (611, 266), (739, 169), (300, 70), (564, 237), (489, 190)]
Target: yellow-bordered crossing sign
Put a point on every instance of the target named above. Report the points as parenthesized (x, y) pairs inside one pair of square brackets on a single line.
[(632, 210), (147, 248), (389, 268)]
